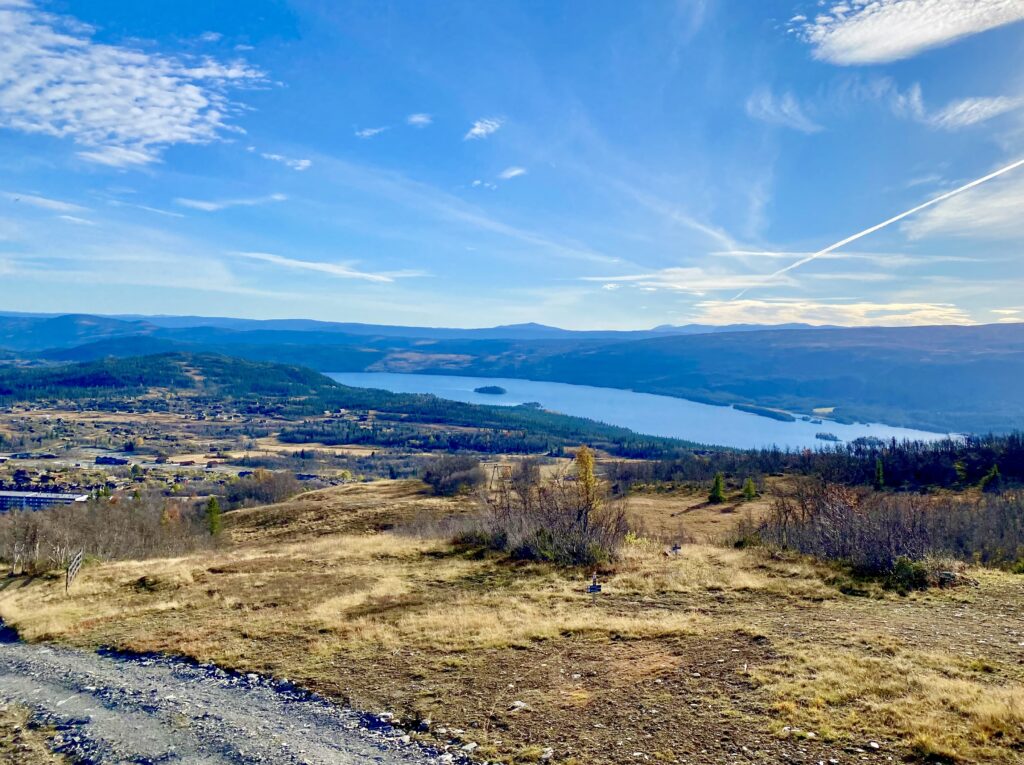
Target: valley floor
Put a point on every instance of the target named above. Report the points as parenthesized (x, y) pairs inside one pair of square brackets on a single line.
[(713, 655)]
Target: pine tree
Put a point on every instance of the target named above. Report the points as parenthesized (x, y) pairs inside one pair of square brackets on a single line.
[(749, 489), (213, 522), (717, 495), (879, 474)]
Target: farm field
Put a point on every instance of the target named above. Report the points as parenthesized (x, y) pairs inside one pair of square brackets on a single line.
[(715, 654)]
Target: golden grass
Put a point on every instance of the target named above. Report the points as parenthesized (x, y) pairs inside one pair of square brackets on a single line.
[(308, 587), (928, 698)]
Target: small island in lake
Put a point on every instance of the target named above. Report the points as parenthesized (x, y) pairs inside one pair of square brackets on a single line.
[(491, 390)]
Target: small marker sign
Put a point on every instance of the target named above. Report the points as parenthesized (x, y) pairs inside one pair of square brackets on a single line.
[(593, 588)]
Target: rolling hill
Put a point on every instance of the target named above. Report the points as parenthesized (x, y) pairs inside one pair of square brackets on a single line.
[(947, 378)]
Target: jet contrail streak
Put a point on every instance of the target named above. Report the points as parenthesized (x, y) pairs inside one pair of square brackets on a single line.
[(883, 224)]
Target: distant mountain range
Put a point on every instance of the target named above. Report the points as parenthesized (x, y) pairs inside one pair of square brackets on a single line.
[(945, 378), (64, 326)]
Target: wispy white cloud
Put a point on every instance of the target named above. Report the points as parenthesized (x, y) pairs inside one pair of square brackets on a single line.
[(420, 119), (341, 270), (878, 31), (511, 172), (784, 110), (692, 280), (76, 220), (211, 37), (121, 105), (222, 204), (294, 164), (958, 114), (971, 111), (994, 212), (479, 184), (371, 132), (44, 203), (884, 259), (483, 128), (942, 198), (147, 208), (811, 311)]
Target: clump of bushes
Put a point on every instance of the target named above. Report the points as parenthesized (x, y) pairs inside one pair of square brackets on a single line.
[(143, 526), (569, 520), (900, 537), (263, 487), (452, 474)]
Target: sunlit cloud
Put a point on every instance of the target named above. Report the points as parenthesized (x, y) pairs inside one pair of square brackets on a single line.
[(845, 313), (853, 32), (371, 132), (511, 172), (419, 119), (123, 107), (483, 128)]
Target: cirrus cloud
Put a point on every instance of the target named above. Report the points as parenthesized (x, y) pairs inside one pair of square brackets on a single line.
[(121, 105), (879, 31)]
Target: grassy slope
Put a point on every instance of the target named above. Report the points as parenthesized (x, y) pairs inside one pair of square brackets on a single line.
[(686, 657)]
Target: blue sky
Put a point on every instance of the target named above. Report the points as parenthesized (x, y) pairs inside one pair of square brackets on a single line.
[(585, 164)]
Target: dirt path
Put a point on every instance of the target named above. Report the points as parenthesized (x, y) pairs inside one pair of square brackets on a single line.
[(109, 708)]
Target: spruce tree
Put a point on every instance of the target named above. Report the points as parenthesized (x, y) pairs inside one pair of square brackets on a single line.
[(717, 495), (213, 522), (749, 489), (879, 474)]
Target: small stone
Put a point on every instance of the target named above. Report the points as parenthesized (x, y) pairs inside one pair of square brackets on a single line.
[(470, 746), (547, 754), (519, 706), (874, 745)]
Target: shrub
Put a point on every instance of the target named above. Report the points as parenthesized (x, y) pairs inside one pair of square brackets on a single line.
[(453, 474), (568, 520), (882, 534), (145, 526), (263, 487)]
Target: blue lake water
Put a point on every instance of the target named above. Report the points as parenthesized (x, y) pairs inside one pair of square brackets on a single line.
[(642, 412)]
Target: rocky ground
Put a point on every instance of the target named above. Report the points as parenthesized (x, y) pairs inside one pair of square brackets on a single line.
[(111, 708)]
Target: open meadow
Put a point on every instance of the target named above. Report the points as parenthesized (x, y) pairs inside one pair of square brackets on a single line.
[(711, 654)]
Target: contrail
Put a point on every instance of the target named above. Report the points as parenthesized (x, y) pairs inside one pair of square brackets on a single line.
[(883, 224)]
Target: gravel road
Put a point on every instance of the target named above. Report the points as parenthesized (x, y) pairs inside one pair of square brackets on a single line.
[(110, 708)]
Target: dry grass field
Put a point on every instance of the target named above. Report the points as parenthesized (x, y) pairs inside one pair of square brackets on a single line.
[(709, 656)]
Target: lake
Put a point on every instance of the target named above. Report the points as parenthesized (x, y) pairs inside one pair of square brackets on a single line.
[(643, 412)]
